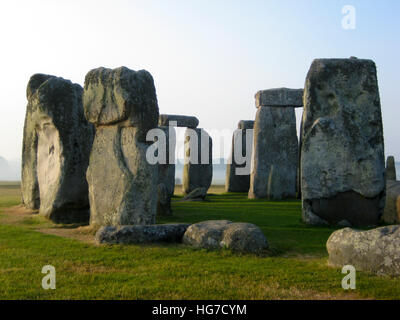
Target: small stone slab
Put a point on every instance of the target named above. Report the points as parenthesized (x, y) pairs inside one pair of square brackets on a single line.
[(141, 234), (281, 97), (246, 124), (181, 121), (198, 194)]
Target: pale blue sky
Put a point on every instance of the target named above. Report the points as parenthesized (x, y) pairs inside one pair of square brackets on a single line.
[(208, 58)]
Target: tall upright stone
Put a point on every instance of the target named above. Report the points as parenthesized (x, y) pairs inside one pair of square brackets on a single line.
[(275, 144), (56, 147), (122, 104), (197, 170), (239, 163), (166, 172), (390, 168), (342, 158)]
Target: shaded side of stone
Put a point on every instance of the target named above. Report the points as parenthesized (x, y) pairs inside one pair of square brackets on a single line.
[(275, 154), (197, 170)]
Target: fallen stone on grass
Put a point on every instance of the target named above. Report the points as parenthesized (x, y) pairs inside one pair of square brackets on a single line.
[(375, 251), (218, 234), (140, 234), (198, 194)]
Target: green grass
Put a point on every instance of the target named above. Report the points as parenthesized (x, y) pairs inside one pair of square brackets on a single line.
[(298, 269)]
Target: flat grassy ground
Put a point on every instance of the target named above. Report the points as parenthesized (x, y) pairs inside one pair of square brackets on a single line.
[(296, 270)]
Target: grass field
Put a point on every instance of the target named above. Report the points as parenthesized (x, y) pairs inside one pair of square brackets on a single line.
[(296, 270)]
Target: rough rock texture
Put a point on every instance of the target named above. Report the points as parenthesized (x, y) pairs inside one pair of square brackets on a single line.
[(164, 201), (391, 214), (280, 97), (56, 147), (390, 169), (246, 124), (197, 170), (238, 168), (166, 171), (121, 96), (375, 251), (181, 121), (275, 154), (238, 237), (198, 194), (342, 157), (141, 234), (122, 183)]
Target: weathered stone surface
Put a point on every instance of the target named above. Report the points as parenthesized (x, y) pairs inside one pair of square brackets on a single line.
[(246, 124), (122, 183), (238, 167), (390, 169), (275, 154), (29, 180), (164, 201), (197, 194), (376, 251), (280, 97), (391, 214), (181, 121), (342, 157), (166, 170), (197, 170), (141, 234), (121, 96), (238, 237), (56, 147)]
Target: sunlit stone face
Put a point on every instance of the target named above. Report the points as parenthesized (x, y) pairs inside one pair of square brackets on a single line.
[(49, 159)]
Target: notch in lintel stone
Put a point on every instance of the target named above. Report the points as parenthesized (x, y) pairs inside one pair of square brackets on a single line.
[(280, 97)]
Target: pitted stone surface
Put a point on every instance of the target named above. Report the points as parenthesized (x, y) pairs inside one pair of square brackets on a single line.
[(342, 157), (376, 251), (280, 97), (122, 103), (56, 147), (275, 154), (171, 233), (218, 234)]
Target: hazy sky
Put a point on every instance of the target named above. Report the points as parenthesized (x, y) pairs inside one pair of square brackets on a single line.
[(208, 58)]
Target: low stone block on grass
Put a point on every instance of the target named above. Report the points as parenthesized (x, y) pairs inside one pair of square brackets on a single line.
[(219, 234), (375, 251), (141, 234)]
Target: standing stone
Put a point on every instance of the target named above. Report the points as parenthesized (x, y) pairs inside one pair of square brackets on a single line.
[(166, 172), (342, 157), (275, 154), (237, 175), (391, 214), (390, 169), (56, 148), (197, 170), (122, 184)]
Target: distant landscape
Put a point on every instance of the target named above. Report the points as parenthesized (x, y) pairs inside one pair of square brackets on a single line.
[(11, 170)]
